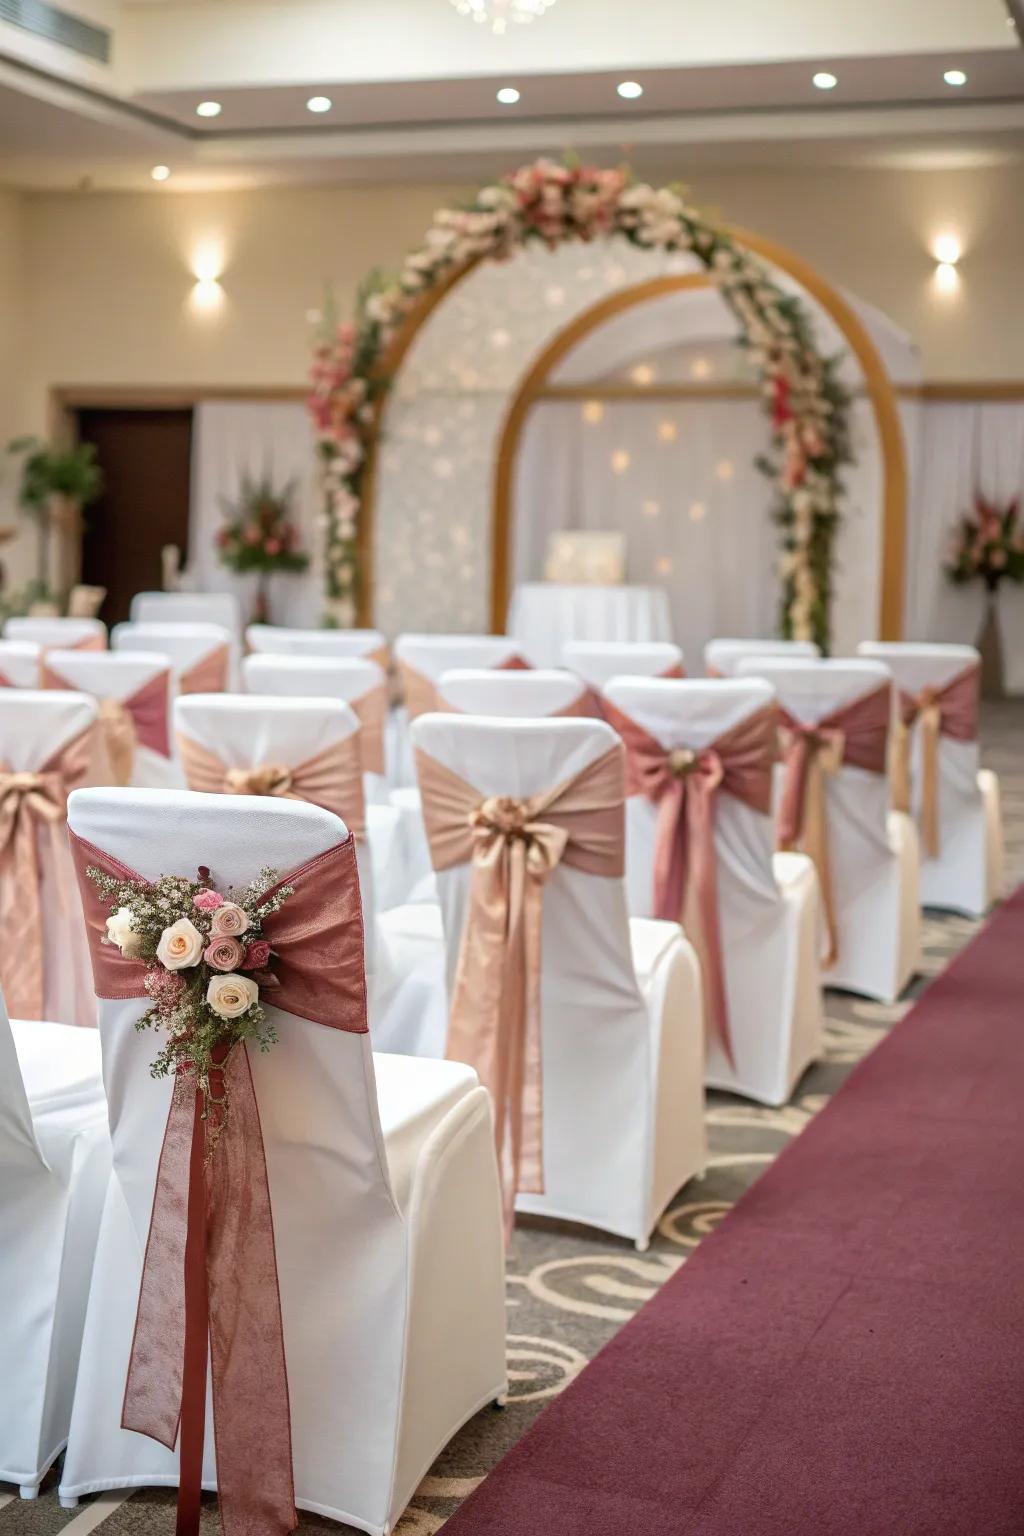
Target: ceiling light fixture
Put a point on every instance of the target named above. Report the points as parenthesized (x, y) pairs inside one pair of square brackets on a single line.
[(319, 104), (500, 14), (955, 77), (508, 95), (824, 80), (208, 109), (160, 172), (630, 90)]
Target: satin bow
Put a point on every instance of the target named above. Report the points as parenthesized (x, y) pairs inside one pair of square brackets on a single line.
[(811, 753), (28, 802), (267, 779), (952, 711)]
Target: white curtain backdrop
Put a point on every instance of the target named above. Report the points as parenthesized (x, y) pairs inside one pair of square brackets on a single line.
[(962, 447), (233, 437)]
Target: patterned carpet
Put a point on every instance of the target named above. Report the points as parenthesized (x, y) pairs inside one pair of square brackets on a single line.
[(571, 1288)]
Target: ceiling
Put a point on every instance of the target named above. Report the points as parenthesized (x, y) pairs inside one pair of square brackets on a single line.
[(413, 86)]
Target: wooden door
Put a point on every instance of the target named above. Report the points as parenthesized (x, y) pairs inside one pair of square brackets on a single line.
[(146, 461)]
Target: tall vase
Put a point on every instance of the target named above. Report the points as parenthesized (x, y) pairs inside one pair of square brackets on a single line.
[(990, 644), (261, 603)]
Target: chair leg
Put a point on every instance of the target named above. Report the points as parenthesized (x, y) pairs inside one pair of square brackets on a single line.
[(68, 1500), (501, 1401), (642, 1244), (29, 1491)]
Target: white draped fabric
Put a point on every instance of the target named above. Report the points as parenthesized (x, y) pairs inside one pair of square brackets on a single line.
[(236, 437)]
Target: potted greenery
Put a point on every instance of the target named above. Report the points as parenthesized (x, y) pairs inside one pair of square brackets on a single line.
[(260, 536), (56, 483), (988, 545)]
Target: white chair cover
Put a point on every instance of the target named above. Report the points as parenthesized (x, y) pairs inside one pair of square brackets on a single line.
[(768, 904), (620, 1003), (184, 645), (722, 657), (34, 727), (385, 1204), (19, 663), (526, 695), (117, 675), (968, 874), (54, 1168), (221, 608), (275, 640), (56, 631), (873, 851), (598, 661)]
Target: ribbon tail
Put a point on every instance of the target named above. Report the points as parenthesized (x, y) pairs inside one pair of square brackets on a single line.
[(702, 887), (531, 1176), (197, 1333), (930, 727)]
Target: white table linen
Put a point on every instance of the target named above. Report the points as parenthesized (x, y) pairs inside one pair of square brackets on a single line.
[(544, 616)]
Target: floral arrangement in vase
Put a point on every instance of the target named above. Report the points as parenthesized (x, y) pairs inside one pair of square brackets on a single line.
[(987, 545), (260, 536), (56, 483), (206, 962)]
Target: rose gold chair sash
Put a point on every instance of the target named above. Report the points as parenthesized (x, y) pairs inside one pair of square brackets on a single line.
[(421, 693), (371, 710), (32, 803), (684, 785), (209, 674), (5, 681), (332, 778), (513, 663), (382, 656), (209, 1281), (138, 720), (513, 845), (949, 711), (855, 734)]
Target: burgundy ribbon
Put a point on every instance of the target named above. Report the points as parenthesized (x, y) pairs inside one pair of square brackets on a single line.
[(209, 1279)]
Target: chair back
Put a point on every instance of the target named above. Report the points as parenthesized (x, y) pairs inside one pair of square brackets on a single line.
[(722, 657), (524, 695), (306, 676), (221, 608), (598, 661), (19, 664), (199, 654), (134, 693), (275, 640), (66, 633), (20, 1157), (433, 655), (915, 665)]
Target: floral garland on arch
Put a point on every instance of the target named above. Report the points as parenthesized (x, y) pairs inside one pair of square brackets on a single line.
[(803, 395)]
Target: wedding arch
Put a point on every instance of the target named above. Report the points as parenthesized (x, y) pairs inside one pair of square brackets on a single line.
[(807, 404)]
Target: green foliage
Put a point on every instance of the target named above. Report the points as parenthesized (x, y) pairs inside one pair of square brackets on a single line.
[(46, 471)]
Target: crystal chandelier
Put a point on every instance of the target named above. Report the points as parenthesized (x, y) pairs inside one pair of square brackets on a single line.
[(498, 14)]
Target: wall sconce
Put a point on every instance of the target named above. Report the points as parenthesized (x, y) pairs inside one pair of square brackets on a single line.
[(947, 252), (207, 266)]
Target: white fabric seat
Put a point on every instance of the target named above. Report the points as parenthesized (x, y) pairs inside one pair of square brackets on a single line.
[(768, 907), (383, 1274), (722, 657), (529, 694), (621, 1029), (56, 631), (117, 675), (873, 852), (185, 645), (598, 661), (19, 663), (54, 1169), (968, 874)]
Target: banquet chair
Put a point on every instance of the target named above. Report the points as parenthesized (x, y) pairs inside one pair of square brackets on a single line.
[(598, 661), (722, 657), (50, 743), (358, 680), (19, 664), (762, 985), (937, 774), (199, 654), (66, 634), (221, 608), (537, 693), (385, 1209), (834, 802), (54, 1169), (133, 690), (276, 640), (619, 1031), (422, 659)]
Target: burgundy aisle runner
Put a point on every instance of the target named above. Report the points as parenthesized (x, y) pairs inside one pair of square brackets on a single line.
[(845, 1356)]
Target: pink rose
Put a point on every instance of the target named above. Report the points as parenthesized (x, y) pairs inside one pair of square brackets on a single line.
[(229, 921), (224, 954), (207, 901), (273, 546), (257, 955)]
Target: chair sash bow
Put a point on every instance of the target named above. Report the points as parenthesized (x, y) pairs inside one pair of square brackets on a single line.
[(948, 711), (207, 675), (140, 719), (371, 710), (209, 1284), (513, 845), (856, 734), (331, 778)]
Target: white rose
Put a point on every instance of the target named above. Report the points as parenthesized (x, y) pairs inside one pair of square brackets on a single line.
[(120, 931), (180, 945), (230, 996)]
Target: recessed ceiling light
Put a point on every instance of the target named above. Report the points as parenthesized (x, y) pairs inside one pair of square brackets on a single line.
[(824, 81), (160, 172), (319, 104), (208, 109), (630, 89), (508, 95), (955, 77)]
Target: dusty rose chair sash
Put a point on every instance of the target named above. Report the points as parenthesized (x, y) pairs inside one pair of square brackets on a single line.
[(856, 734), (371, 710), (421, 694), (684, 785), (331, 778), (513, 846), (209, 1279), (32, 804), (138, 720), (209, 674), (949, 711), (5, 681)]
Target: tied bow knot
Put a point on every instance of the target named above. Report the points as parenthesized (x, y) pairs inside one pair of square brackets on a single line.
[(502, 820), (268, 779), (29, 800), (23, 793)]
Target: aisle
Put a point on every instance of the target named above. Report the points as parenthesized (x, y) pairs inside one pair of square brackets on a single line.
[(845, 1356)]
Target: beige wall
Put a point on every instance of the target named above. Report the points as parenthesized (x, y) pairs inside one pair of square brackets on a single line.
[(100, 283)]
